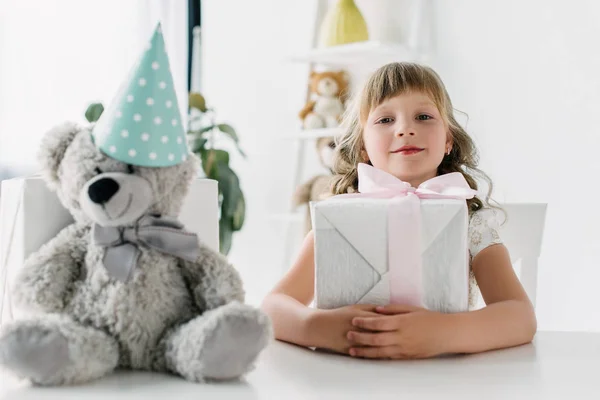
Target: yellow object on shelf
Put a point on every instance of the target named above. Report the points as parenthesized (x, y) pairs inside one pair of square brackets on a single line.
[(343, 24)]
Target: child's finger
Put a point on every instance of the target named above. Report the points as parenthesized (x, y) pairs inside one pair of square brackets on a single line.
[(374, 352), (396, 309), (377, 324), (373, 339), (365, 307)]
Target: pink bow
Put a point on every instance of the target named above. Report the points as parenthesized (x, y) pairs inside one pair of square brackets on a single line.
[(382, 184), (404, 254)]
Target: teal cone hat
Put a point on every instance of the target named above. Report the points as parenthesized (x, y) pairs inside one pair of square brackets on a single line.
[(142, 126)]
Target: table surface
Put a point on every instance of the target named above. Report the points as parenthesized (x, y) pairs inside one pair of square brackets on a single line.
[(561, 365)]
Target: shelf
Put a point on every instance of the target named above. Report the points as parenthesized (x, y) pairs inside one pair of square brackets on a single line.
[(313, 133), (368, 52)]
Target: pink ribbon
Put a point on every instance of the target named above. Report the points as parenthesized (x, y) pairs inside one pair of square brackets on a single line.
[(405, 277)]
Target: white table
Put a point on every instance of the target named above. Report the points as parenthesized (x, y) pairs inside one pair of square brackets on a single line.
[(558, 365)]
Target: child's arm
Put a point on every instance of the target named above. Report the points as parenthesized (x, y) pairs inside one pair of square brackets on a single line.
[(412, 332), (295, 322), (509, 317), (287, 303)]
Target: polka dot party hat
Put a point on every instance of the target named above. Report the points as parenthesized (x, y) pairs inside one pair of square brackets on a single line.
[(142, 125)]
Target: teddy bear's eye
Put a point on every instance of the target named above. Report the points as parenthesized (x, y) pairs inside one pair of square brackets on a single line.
[(130, 169), (98, 171)]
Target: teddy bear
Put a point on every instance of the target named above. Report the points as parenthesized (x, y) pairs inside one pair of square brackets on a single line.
[(125, 285), (318, 187), (328, 94)]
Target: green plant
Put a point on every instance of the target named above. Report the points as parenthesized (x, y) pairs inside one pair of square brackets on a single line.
[(94, 111), (203, 132), (215, 163)]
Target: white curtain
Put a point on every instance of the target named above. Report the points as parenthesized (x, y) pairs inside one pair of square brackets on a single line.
[(57, 56)]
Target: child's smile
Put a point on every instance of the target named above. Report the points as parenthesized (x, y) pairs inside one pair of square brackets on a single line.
[(408, 150), (406, 136)]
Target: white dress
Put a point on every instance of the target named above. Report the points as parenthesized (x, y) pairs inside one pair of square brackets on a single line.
[(483, 232)]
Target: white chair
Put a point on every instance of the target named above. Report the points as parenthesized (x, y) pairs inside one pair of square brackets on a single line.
[(522, 234)]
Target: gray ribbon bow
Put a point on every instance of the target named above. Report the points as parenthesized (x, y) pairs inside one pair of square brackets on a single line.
[(160, 233)]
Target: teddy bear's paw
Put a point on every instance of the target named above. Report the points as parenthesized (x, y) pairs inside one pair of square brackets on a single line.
[(222, 344), (313, 121), (34, 352), (232, 348), (55, 350), (332, 121)]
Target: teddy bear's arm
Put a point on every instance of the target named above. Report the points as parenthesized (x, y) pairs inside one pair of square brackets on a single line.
[(46, 278), (307, 109), (213, 281)]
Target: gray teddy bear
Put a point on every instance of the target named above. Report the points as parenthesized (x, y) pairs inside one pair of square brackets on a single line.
[(125, 286)]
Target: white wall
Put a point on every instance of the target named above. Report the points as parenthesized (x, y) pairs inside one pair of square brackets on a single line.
[(247, 80), (526, 72), (58, 56)]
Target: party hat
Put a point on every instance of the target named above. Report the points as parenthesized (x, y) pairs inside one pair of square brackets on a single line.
[(142, 125)]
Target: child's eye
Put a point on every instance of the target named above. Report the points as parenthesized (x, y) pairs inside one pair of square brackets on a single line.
[(423, 117), (384, 120)]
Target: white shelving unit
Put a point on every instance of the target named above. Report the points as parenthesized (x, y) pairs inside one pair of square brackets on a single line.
[(308, 134), (361, 57), (372, 51)]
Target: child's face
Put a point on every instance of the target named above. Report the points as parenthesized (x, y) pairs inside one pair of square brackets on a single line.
[(406, 136)]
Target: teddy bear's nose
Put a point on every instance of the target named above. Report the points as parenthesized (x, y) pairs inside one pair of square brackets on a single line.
[(102, 190)]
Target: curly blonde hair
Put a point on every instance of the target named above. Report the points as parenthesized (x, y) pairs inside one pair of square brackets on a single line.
[(388, 81)]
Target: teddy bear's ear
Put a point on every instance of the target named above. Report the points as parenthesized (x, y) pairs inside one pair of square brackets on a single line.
[(53, 146), (343, 76)]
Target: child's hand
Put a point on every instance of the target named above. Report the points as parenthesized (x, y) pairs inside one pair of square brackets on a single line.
[(329, 328), (402, 332)]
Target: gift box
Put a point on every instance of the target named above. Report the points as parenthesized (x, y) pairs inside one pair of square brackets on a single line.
[(393, 244), (31, 215)]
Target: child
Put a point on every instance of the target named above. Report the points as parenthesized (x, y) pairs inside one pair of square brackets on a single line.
[(402, 123)]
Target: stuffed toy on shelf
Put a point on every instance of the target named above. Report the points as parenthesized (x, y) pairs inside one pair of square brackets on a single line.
[(126, 285), (327, 97), (318, 187)]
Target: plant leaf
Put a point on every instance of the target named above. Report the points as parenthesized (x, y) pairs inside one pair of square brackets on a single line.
[(197, 101), (239, 149), (229, 186), (225, 235), (221, 156), (94, 111), (198, 144), (229, 131), (239, 215), (208, 164), (201, 131), (206, 129), (205, 163), (213, 161)]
